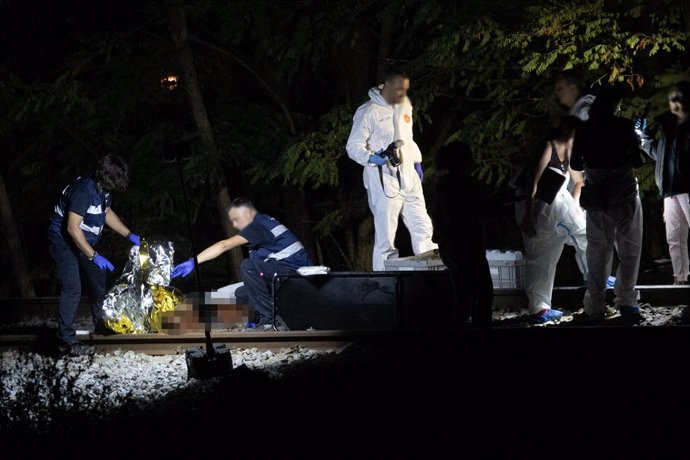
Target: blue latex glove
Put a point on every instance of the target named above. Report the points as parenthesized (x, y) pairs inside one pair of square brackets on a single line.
[(103, 263), (134, 238), (183, 269), (377, 160), (642, 127), (420, 171)]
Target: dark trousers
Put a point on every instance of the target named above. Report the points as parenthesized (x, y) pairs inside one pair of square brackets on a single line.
[(71, 266), (472, 284), (257, 291)]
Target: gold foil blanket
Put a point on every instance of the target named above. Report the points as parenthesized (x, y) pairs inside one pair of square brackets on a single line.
[(135, 303)]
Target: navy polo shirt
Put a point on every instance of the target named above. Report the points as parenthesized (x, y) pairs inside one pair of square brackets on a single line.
[(83, 197), (271, 240)]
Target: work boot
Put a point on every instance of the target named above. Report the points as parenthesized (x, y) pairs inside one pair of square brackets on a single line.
[(685, 316), (630, 314), (63, 349), (595, 318), (280, 324), (75, 349), (267, 326), (101, 329)]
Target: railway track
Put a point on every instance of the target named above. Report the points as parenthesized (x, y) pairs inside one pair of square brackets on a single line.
[(170, 344), (39, 336), (13, 309), (563, 335)]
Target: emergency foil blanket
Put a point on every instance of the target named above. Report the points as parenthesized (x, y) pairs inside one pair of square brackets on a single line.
[(141, 294)]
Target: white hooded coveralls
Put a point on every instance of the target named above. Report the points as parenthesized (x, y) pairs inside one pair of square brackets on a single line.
[(374, 127), (556, 224)]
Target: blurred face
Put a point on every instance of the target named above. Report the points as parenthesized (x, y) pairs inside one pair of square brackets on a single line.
[(566, 93), (241, 217), (395, 90), (675, 105)]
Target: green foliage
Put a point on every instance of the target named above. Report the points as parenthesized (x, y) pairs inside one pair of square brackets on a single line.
[(312, 160), (610, 39), (281, 81), (496, 70), (329, 223)]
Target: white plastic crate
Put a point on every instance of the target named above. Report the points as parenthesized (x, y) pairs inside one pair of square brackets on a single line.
[(429, 260), (507, 269)]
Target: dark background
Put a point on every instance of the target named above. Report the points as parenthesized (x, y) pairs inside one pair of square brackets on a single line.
[(278, 83)]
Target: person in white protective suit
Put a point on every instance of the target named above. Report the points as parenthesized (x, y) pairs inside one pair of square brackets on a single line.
[(545, 226), (381, 141), (608, 150)]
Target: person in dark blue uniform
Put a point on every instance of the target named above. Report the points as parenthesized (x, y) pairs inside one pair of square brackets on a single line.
[(273, 249), (74, 230)]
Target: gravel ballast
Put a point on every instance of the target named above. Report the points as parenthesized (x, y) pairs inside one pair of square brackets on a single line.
[(107, 396)]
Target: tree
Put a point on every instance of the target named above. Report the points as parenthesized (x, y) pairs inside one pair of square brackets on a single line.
[(14, 244), (180, 36), (277, 85)]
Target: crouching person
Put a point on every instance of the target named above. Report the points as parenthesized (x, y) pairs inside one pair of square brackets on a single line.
[(273, 250)]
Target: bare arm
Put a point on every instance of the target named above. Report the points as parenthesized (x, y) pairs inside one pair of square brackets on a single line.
[(527, 223), (113, 221), (220, 247), (578, 182), (77, 234), (577, 176), (541, 166)]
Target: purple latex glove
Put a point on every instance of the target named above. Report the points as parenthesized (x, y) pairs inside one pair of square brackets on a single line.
[(134, 238), (103, 263), (420, 172), (183, 269)]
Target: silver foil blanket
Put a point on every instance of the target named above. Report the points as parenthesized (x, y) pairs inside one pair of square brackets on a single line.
[(140, 291)]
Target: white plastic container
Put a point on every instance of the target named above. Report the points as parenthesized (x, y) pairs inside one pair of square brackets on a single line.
[(507, 269)]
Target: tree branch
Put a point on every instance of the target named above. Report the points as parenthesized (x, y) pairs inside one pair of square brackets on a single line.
[(258, 77)]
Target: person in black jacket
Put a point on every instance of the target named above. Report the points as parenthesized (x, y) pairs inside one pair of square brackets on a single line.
[(459, 198), (607, 149), (672, 173)]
